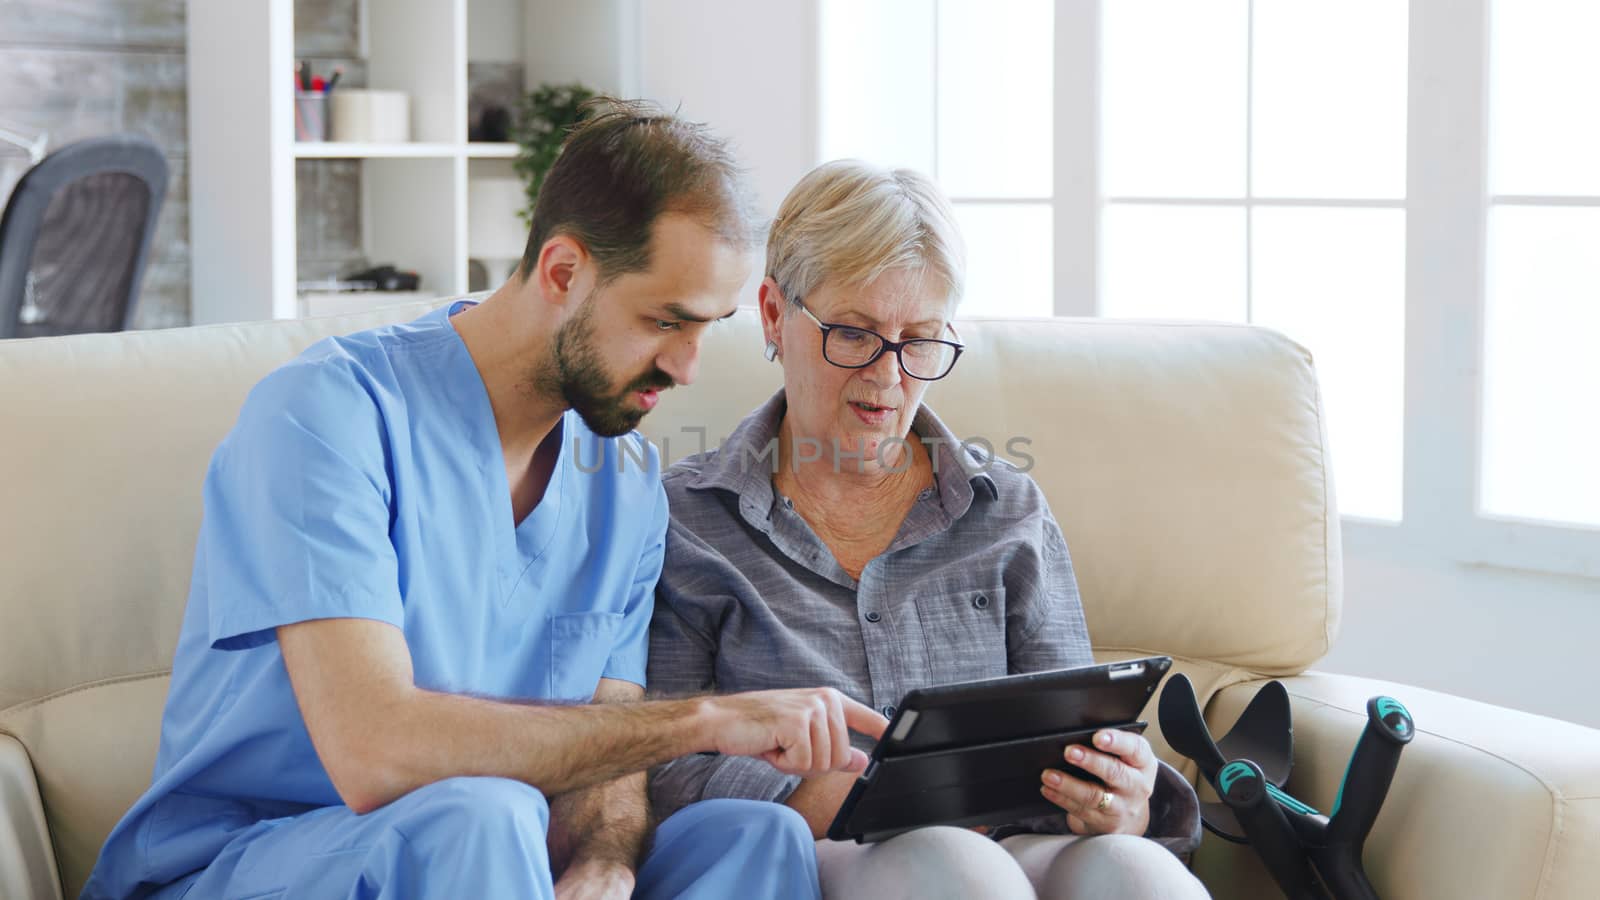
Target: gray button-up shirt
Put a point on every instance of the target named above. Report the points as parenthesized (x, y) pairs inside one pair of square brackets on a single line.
[(977, 583)]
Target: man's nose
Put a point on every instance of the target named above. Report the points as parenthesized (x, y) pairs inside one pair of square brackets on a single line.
[(681, 359)]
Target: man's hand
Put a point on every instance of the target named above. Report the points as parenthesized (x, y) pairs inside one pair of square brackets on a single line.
[(799, 732), (595, 880), (1127, 764)]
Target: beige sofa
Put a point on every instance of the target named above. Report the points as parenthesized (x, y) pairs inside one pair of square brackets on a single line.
[(1186, 464)]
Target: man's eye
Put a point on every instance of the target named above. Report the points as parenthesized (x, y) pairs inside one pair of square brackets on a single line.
[(664, 325)]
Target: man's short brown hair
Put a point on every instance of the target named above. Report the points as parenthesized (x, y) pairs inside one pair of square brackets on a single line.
[(623, 166)]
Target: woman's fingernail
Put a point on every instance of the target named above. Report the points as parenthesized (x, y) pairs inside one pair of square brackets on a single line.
[(1052, 778), (1075, 754), (1104, 738)]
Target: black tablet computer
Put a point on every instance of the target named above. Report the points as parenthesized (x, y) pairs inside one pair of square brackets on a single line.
[(973, 753)]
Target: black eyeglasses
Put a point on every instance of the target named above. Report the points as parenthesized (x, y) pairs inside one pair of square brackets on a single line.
[(849, 347)]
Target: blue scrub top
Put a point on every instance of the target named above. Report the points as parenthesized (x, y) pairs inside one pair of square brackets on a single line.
[(366, 479)]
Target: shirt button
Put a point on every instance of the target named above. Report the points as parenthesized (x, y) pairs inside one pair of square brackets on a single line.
[(888, 712), (981, 601), (873, 617)]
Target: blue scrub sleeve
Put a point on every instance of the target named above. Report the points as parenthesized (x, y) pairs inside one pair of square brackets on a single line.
[(297, 510), (630, 653)]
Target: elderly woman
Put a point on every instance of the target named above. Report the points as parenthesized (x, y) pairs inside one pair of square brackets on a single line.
[(878, 555)]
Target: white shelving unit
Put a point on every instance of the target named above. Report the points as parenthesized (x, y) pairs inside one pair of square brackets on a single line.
[(415, 196), (413, 150)]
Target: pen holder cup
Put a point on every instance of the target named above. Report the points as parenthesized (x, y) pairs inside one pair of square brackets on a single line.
[(310, 116)]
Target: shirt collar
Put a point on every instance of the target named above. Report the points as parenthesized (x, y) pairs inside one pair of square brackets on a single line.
[(745, 461)]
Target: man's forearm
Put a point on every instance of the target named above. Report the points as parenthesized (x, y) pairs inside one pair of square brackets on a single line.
[(380, 737), (428, 736)]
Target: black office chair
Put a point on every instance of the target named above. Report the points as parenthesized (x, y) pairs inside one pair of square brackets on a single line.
[(75, 235)]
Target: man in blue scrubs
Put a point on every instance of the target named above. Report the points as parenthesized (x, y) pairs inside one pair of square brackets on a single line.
[(413, 655)]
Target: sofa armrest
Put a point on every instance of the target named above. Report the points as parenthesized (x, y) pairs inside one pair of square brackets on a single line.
[(27, 861), (1487, 802)]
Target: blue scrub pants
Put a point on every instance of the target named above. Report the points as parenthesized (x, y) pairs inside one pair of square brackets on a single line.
[(485, 837)]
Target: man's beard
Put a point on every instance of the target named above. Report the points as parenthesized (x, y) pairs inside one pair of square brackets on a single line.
[(579, 376)]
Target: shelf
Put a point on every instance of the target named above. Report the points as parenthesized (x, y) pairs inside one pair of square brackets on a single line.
[(335, 150), (326, 303), (424, 205), (484, 150)]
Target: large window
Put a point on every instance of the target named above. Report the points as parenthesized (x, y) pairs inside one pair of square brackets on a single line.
[(1541, 347), (1409, 189), (961, 91), (1251, 172)]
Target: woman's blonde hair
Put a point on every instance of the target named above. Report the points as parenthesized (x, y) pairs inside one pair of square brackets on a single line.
[(849, 222)]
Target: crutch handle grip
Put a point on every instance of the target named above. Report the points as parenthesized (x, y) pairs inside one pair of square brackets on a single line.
[(1371, 770), (1244, 788)]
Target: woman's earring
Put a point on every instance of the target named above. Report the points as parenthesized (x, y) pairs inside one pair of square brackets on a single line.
[(772, 351)]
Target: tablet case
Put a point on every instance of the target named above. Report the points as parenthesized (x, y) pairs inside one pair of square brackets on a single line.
[(973, 753)]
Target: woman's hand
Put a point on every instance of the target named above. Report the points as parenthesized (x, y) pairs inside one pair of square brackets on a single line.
[(1127, 764)]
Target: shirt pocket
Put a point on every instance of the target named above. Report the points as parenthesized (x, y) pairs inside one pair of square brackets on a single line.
[(580, 646), (965, 631)]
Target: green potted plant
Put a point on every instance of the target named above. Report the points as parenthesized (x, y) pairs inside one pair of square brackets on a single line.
[(544, 117)]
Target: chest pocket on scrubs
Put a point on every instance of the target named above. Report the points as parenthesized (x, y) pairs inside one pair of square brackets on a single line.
[(580, 645)]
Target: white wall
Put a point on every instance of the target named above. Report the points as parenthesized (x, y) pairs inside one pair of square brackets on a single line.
[(747, 69), (1518, 639), (588, 41)]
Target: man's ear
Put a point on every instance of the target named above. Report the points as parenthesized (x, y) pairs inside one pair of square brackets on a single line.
[(560, 260)]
